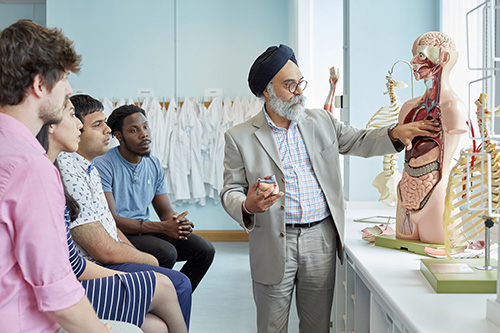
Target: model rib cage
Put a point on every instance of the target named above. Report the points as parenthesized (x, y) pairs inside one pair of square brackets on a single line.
[(386, 116), (466, 202)]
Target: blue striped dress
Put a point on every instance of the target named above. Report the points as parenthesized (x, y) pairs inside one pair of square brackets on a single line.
[(122, 297)]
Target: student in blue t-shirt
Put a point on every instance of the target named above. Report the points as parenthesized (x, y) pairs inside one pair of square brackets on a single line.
[(133, 179)]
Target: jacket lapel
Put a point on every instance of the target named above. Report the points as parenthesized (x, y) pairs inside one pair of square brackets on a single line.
[(265, 136)]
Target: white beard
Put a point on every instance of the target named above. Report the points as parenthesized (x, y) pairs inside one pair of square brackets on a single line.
[(290, 110)]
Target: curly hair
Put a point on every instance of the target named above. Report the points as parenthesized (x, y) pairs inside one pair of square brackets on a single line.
[(115, 120), (28, 49), (437, 39)]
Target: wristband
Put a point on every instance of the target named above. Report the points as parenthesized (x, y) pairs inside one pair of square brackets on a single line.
[(141, 221), (389, 131), (245, 209)]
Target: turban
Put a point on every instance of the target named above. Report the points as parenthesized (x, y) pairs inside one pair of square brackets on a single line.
[(267, 65)]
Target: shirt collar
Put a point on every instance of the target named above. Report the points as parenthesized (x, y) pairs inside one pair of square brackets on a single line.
[(91, 167), (85, 164), (133, 166), (271, 123), (13, 125)]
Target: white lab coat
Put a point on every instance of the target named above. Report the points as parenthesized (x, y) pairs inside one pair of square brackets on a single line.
[(170, 119), (215, 168), (157, 126), (109, 106), (195, 175), (179, 158), (255, 106), (237, 112)]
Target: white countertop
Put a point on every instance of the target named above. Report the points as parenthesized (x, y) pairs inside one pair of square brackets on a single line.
[(395, 276)]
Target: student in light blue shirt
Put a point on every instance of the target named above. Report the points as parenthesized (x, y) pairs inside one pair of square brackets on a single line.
[(133, 179)]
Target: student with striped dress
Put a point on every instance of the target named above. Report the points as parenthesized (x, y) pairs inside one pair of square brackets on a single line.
[(146, 299)]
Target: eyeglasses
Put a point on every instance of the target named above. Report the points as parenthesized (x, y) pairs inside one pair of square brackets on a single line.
[(292, 87)]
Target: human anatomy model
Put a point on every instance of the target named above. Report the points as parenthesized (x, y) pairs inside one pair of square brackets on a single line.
[(386, 181), (266, 183), (468, 191), (421, 191), (334, 78)]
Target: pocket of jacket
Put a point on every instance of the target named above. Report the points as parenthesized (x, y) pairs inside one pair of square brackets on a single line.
[(329, 150)]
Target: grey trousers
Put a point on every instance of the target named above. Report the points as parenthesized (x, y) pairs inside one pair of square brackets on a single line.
[(310, 270)]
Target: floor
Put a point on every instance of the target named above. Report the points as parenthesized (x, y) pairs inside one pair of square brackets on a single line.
[(223, 302)]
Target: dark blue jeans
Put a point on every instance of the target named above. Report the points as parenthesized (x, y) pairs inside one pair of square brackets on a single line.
[(196, 251), (180, 281)]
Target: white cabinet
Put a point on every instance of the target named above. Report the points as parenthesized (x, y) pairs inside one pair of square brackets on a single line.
[(357, 308), (382, 290)]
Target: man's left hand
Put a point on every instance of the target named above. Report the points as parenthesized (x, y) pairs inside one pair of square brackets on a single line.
[(185, 226)]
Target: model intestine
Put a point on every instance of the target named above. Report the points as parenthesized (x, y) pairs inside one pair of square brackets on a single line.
[(468, 181), (386, 181), (421, 191)]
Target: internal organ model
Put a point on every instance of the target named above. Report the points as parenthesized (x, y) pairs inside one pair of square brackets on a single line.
[(266, 183), (468, 191), (421, 191), (423, 162), (386, 181)]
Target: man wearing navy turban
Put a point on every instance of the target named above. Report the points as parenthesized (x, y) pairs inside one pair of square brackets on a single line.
[(296, 234)]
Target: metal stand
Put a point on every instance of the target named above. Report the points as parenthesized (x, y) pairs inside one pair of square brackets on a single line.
[(488, 223), (411, 72)]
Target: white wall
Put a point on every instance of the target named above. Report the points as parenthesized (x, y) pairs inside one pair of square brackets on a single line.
[(125, 45), (11, 13), (218, 40), (178, 48)]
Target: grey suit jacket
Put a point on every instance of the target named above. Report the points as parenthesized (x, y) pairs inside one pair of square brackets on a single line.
[(251, 152)]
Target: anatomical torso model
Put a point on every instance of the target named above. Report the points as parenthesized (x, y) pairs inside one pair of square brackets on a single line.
[(421, 191)]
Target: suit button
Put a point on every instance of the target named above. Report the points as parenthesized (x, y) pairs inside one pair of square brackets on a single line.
[(283, 180), (282, 207), (282, 234)]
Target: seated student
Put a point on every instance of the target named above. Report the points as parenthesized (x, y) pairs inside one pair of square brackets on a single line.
[(132, 179), (38, 289), (145, 299), (94, 230)]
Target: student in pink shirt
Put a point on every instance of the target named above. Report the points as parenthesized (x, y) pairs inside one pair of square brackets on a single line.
[(38, 289)]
